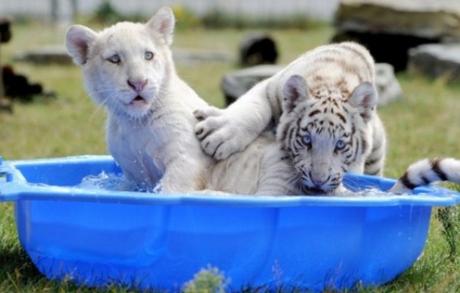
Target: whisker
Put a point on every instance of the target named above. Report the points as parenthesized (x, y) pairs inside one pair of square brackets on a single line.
[(98, 109)]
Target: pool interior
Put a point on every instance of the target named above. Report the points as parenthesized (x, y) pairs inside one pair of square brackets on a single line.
[(67, 175), (72, 173)]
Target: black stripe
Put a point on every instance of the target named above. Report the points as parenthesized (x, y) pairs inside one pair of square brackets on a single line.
[(342, 117), (290, 135), (435, 165), (357, 147), (406, 181), (313, 113), (425, 180), (372, 161)]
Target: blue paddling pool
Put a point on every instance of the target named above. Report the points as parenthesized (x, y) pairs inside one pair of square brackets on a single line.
[(146, 240)]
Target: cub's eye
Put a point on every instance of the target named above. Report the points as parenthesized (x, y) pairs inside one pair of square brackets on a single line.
[(148, 55), (115, 59), (339, 145), (307, 139)]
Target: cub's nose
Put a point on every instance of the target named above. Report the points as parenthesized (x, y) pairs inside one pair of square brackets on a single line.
[(137, 85), (319, 179)]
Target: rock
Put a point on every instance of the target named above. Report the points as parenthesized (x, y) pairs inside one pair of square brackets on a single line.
[(430, 19), (389, 28), (188, 56), (237, 83), (258, 49), (436, 61), (57, 54), (45, 55), (5, 29), (387, 84), (385, 48)]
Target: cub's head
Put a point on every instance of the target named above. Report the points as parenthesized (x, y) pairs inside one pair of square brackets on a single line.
[(323, 133), (126, 66)]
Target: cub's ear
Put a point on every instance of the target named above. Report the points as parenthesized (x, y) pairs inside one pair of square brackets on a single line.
[(78, 39), (295, 90), (364, 97), (163, 22)]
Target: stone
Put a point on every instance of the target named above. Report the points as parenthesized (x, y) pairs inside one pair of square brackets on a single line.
[(387, 84), (235, 84), (189, 56), (5, 29), (256, 49), (57, 54), (389, 28), (436, 61), (430, 19), (45, 55)]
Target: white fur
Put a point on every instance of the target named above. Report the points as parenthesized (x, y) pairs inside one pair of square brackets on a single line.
[(151, 138), (224, 132), (423, 172)]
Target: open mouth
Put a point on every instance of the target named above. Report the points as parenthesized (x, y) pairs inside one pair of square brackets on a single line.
[(138, 101), (313, 190)]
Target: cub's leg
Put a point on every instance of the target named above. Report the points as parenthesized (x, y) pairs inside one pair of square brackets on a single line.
[(225, 132), (184, 174)]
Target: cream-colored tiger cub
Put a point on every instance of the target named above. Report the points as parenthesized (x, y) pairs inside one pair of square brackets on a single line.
[(128, 68), (330, 128), (426, 171)]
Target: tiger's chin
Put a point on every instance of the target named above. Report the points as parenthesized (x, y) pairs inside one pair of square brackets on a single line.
[(138, 108), (330, 190)]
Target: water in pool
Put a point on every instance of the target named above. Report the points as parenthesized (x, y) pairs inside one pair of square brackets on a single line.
[(117, 182), (110, 181)]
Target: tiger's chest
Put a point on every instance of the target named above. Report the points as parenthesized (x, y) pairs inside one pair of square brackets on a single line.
[(135, 151)]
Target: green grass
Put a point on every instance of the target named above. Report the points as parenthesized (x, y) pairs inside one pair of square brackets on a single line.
[(425, 123)]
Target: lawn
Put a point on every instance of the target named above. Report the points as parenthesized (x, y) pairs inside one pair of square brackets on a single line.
[(424, 123)]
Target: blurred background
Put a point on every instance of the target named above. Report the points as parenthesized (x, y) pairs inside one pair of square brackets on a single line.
[(221, 48), (65, 11)]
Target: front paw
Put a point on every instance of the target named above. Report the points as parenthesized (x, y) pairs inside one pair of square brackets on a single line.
[(216, 133), (209, 111)]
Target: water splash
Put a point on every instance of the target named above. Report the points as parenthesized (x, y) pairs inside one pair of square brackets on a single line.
[(118, 182), (114, 182), (367, 192)]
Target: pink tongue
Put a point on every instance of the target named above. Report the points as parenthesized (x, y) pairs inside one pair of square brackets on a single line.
[(138, 102)]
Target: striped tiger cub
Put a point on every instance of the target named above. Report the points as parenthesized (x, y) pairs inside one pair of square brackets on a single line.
[(324, 104), (426, 171)]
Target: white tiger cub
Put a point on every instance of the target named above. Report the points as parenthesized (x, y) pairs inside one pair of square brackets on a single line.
[(270, 166), (128, 68), (426, 171), (332, 127)]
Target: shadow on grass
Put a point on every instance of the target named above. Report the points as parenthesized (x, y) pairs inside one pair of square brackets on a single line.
[(17, 269)]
